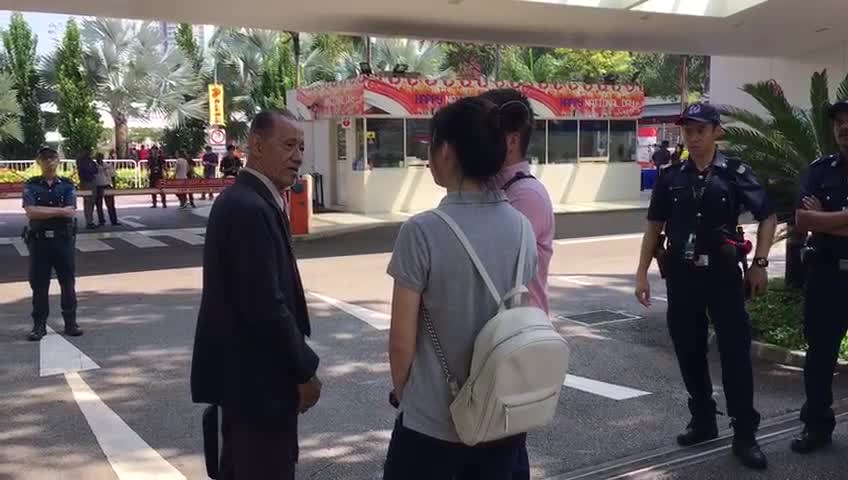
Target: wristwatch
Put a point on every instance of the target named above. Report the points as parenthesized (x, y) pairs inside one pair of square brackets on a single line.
[(761, 262)]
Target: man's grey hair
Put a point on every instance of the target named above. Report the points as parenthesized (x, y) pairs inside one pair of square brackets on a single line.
[(264, 121)]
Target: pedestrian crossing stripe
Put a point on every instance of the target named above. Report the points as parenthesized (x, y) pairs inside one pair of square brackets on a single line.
[(93, 242)]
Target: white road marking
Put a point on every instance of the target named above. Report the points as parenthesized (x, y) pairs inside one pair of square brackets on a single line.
[(608, 390), (59, 356), (131, 457), (577, 280), (378, 320), (129, 220), (188, 237), (18, 243), (597, 239), (91, 244), (141, 241)]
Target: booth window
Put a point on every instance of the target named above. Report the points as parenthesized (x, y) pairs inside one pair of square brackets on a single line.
[(537, 150), (623, 141), (417, 142), (384, 142), (341, 142), (594, 140), (562, 141)]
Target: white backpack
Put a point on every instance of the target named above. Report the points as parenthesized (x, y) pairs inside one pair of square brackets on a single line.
[(517, 367)]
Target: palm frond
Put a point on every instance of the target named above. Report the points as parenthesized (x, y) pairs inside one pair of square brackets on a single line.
[(818, 118), (789, 120), (746, 117), (842, 90)]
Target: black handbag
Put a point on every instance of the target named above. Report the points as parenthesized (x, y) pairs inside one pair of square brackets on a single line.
[(211, 449)]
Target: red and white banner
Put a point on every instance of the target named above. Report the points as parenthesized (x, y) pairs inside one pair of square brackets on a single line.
[(11, 190), (195, 185), (400, 96)]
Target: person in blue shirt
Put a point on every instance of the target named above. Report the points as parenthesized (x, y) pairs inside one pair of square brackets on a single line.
[(698, 204), (50, 205), (823, 210)]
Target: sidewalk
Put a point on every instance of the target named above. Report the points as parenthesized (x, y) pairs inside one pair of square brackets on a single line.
[(326, 225)]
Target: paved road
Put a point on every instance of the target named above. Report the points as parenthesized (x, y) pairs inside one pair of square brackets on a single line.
[(623, 400)]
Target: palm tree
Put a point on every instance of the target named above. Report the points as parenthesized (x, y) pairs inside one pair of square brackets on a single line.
[(420, 56), (781, 146), (519, 64), (10, 111), (134, 77)]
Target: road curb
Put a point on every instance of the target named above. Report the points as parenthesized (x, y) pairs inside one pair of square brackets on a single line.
[(768, 352)]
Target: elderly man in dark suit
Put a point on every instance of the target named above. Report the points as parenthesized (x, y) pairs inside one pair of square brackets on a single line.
[(250, 353)]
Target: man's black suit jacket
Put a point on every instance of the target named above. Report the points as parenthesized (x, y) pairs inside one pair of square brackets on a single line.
[(250, 351)]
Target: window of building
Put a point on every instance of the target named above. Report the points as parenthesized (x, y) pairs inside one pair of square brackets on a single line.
[(384, 142), (341, 142), (417, 142), (537, 150), (562, 141), (623, 141), (594, 140)]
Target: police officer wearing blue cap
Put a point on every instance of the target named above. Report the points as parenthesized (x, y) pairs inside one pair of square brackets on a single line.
[(50, 205), (699, 203), (823, 211)]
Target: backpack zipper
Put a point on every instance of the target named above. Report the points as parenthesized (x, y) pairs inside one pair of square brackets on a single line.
[(523, 404)]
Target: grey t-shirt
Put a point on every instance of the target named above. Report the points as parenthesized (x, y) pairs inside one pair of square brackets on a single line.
[(429, 259)]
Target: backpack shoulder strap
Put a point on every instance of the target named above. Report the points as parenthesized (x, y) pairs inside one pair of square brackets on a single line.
[(484, 274), (518, 177), (519, 288)]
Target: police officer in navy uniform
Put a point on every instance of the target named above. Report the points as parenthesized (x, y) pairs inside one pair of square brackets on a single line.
[(823, 210), (698, 203), (50, 205)]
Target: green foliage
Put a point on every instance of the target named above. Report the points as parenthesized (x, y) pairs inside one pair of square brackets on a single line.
[(10, 111), (184, 38), (470, 60), (191, 137), (421, 56), (594, 66), (777, 317), (660, 74), (20, 57), (124, 178), (79, 121), (277, 76), (782, 144)]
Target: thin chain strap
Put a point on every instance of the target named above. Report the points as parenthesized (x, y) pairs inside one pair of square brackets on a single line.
[(437, 347)]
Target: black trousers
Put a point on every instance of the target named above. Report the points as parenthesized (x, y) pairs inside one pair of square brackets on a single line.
[(415, 456), (825, 325), (110, 205), (521, 468), (45, 256), (256, 449), (697, 295)]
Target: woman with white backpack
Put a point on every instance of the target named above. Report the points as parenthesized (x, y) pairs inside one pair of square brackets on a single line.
[(471, 366)]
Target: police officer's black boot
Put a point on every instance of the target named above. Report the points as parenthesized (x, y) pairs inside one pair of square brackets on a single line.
[(71, 328), (39, 330), (747, 450), (810, 440), (702, 427)]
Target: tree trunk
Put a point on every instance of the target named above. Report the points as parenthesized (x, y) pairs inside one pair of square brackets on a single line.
[(795, 239), (121, 135)]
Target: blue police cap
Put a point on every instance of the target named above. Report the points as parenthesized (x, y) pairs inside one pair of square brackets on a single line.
[(700, 112), (838, 107)]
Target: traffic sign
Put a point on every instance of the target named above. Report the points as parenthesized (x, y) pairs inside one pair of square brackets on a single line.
[(217, 137)]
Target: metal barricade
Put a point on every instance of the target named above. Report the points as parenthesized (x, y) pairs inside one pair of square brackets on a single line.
[(125, 165)]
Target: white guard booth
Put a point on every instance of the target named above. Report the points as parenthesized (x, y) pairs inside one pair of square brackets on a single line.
[(369, 139)]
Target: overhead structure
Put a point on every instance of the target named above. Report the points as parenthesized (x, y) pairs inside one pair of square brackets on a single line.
[(716, 27)]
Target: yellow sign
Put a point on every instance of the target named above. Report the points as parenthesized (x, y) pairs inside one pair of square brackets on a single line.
[(216, 104)]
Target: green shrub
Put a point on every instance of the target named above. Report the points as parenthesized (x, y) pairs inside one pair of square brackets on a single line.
[(124, 178), (778, 316)]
